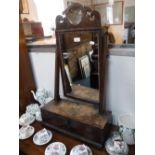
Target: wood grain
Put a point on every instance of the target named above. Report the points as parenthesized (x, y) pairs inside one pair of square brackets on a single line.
[(26, 78)]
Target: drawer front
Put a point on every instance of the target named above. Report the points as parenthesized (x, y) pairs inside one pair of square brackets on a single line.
[(86, 131), (55, 120), (74, 127)]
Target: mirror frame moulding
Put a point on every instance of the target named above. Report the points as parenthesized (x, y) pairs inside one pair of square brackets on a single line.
[(90, 21)]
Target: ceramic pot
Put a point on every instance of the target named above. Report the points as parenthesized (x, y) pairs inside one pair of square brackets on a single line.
[(127, 128)]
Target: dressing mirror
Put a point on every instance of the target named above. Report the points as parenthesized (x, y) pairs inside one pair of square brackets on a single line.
[(81, 60), (81, 55), (80, 67)]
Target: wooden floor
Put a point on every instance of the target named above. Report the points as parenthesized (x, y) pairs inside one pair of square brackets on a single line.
[(27, 147)]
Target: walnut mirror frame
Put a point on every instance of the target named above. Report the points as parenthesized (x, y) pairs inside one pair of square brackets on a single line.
[(78, 19), (73, 115)]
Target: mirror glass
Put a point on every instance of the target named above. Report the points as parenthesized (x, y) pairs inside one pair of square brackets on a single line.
[(79, 57)]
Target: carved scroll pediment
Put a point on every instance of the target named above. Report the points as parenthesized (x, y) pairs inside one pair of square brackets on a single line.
[(78, 16)]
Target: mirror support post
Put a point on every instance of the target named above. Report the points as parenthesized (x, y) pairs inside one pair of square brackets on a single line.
[(101, 103), (57, 74), (102, 39)]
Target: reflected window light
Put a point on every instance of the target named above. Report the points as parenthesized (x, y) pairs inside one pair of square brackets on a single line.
[(47, 11), (110, 2), (109, 10)]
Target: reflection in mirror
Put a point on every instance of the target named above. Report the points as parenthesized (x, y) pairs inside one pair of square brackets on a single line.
[(80, 65)]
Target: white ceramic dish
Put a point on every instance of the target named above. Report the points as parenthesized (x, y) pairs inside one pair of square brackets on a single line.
[(26, 132), (26, 119), (41, 96), (127, 128), (41, 139), (76, 149), (38, 116), (32, 108), (56, 148), (114, 147)]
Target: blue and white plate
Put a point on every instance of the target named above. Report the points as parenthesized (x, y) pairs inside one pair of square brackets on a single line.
[(56, 148), (76, 149), (26, 119), (42, 137), (26, 132)]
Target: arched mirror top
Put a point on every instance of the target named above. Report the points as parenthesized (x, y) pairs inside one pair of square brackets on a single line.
[(78, 16)]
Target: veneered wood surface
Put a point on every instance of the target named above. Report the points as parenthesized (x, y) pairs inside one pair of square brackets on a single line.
[(84, 113)]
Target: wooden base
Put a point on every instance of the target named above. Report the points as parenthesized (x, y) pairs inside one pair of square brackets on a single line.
[(81, 121)]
